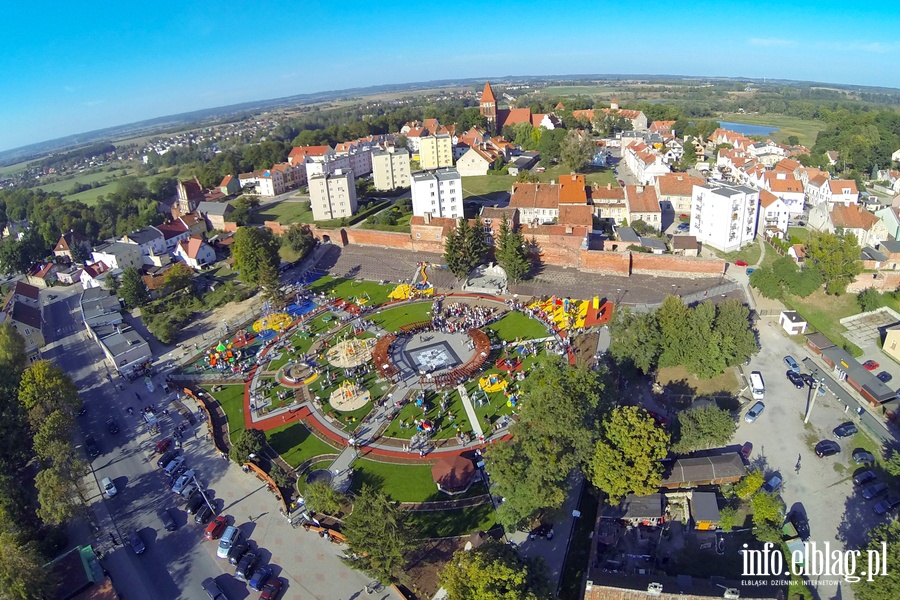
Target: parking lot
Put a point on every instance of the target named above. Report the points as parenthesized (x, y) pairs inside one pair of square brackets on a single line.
[(783, 445)]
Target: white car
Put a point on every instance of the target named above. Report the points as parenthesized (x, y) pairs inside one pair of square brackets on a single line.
[(183, 481), (109, 488)]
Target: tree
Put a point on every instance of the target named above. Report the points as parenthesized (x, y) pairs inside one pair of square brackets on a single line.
[(703, 427), (80, 253), (511, 253), (627, 456), (243, 208), (475, 245), (250, 441), (300, 239), (132, 288), (252, 249), (768, 511), (111, 283), (576, 150), (495, 571), (869, 299), (270, 284), (733, 333), (836, 258), (793, 140), (892, 464), (377, 535), (22, 575), (727, 517), (58, 495), (673, 317), (45, 388), (886, 585), (321, 497), (178, 278), (689, 158), (12, 348), (455, 250), (636, 340), (749, 484)]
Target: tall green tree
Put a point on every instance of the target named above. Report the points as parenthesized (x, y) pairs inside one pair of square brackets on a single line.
[(734, 335), (45, 388), (495, 571), (22, 575), (576, 150), (703, 427), (672, 318), (12, 349), (887, 585), (132, 288), (377, 535), (476, 246), (627, 456), (636, 340), (249, 441), (836, 257), (253, 249), (321, 497), (300, 238), (512, 253)]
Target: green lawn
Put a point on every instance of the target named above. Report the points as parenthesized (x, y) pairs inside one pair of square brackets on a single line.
[(824, 313), (403, 483), (296, 444), (64, 185), (749, 253), (10, 169), (452, 523), (446, 428), (798, 235), (301, 341), (351, 289), (489, 186), (285, 212), (231, 397), (402, 225), (518, 326), (393, 318), (805, 130)]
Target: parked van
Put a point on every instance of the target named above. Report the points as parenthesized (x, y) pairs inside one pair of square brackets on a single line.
[(231, 537), (757, 386)]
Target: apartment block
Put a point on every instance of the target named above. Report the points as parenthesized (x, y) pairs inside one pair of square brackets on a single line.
[(332, 196), (724, 216), (390, 168), (436, 151), (437, 193)]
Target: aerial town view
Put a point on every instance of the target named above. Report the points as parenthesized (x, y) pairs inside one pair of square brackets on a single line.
[(417, 322)]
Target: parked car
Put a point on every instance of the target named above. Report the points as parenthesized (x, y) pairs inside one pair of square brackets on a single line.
[(259, 578), (163, 445), (112, 426), (271, 590), (231, 537), (237, 552), (109, 487), (754, 412), (792, 364), (750, 271), (808, 379), (862, 457), (684, 227), (195, 501), (215, 529), (772, 484), (886, 505), (800, 523), (871, 365), (845, 430), (175, 465), (165, 459), (746, 449), (134, 540), (90, 444), (183, 481), (884, 376), (212, 589), (795, 379), (864, 477), (204, 514), (874, 490), (189, 490), (827, 448), (741, 263), (244, 570), (166, 519)]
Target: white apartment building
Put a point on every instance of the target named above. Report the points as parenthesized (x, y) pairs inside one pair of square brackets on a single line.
[(390, 168), (724, 216), (438, 193), (436, 151), (332, 196)]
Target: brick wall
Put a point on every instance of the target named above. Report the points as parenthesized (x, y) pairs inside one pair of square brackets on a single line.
[(276, 227), (883, 281), (662, 264), (610, 263)]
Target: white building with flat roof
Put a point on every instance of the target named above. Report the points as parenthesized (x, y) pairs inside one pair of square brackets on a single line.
[(390, 168), (332, 196), (724, 216), (438, 193)]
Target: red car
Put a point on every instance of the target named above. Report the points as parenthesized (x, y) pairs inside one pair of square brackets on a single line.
[(271, 590), (214, 530), (741, 263), (660, 420), (871, 365), (163, 445)]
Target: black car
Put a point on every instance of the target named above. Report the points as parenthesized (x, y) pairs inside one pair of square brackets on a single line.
[(827, 448), (237, 552), (134, 540), (875, 490), (861, 457), (112, 426), (864, 477), (90, 444), (165, 459), (800, 523), (203, 515), (795, 379), (845, 430), (886, 505), (212, 589), (195, 501), (245, 567), (167, 520), (808, 379)]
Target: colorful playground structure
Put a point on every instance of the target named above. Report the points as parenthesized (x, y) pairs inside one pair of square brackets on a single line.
[(567, 314), (492, 383), (275, 322), (419, 289)]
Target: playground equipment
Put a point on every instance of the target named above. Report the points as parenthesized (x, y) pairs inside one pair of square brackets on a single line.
[(351, 352), (492, 383), (418, 289), (221, 355), (349, 396), (275, 322)]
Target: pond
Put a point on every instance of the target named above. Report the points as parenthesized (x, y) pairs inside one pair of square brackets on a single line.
[(748, 129)]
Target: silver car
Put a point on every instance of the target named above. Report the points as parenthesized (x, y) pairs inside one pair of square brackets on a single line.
[(183, 481), (754, 412)]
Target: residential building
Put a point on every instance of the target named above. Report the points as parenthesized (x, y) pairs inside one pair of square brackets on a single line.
[(890, 218), (896, 156), (100, 307), (786, 187), (15, 229), (42, 274), (841, 191), (118, 255), (850, 218), (70, 275), (332, 196), (229, 186), (190, 194), (150, 240), (28, 321), (196, 225), (122, 346), (26, 294), (173, 233), (724, 216), (675, 191), (645, 163), (642, 204), (891, 344), (435, 151), (608, 203), (540, 203), (299, 154), (437, 193), (67, 241), (684, 245), (774, 213), (390, 168), (93, 274), (478, 160), (215, 213), (195, 252)]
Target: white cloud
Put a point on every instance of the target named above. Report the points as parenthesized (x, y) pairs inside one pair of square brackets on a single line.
[(771, 42)]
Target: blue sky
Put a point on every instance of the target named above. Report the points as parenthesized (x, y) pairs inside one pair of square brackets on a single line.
[(71, 67)]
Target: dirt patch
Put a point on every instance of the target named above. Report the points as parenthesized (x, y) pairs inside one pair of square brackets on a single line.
[(585, 346), (427, 561), (678, 380)]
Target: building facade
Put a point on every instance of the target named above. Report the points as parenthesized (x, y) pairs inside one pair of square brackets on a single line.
[(390, 168), (724, 216), (435, 151), (437, 193), (332, 196)]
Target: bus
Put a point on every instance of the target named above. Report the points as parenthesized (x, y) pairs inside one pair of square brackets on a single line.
[(757, 385)]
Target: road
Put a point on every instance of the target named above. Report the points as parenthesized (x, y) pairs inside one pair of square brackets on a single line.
[(175, 563)]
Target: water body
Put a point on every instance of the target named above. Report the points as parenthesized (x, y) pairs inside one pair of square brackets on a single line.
[(748, 129)]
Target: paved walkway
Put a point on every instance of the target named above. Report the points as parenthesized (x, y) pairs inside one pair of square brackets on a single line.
[(470, 411)]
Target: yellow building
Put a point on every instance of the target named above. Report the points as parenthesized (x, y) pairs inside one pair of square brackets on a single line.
[(436, 151), (27, 321), (892, 342)]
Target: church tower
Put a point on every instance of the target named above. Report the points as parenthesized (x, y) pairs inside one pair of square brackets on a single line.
[(489, 105)]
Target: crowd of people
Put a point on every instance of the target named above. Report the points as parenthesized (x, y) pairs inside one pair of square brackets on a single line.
[(458, 316)]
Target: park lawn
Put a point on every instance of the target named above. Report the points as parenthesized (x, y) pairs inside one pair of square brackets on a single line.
[(444, 427), (798, 235), (350, 289), (749, 253), (806, 130), (394, 318), (518, 326), (296, 444), (770, 257), (403, 483), (598, 175), (231, 398), (452, 523), (301, 344), (486, 186), (285, 212), (91, 196), (402, 225), (824, 312), (726, 383)]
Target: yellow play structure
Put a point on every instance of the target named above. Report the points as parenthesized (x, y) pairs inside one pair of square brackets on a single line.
[(404, 291), (565, 313), (493, 383), (277, 321)]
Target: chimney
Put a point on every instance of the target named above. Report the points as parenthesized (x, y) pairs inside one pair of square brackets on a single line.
[(640, 189), (552, 182), (609, 186), (427, 218)]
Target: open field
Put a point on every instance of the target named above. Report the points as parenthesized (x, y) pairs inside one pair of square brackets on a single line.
[(10, 169), (805, 130), (284, 212), (350, 289), (65, 185), (824, 313), (726, 383), (487, 185), (580, 90)]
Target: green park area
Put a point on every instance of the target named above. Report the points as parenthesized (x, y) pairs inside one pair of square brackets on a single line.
[(489, 186), (302, 340), (393, 319), (286, 211), (352, 290), (518, 326), (297, 444)]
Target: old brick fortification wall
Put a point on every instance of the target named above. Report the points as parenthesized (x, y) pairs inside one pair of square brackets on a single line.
[(608, 263), (663, 264), (883, 281)]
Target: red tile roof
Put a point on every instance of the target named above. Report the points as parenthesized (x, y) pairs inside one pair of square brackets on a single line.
[(226, 180), (572, 189), (607, 192), (191, 246), (192, 189), (172, 229), (487, 95), (299, 153), (513, 116), (767, 198), (535, 195), (27, 290), (677, 184), (96, 269), (645, 201), (575, 214), (838, 186), (853, 216), (788, 185), (787, 164), (819, 179)]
